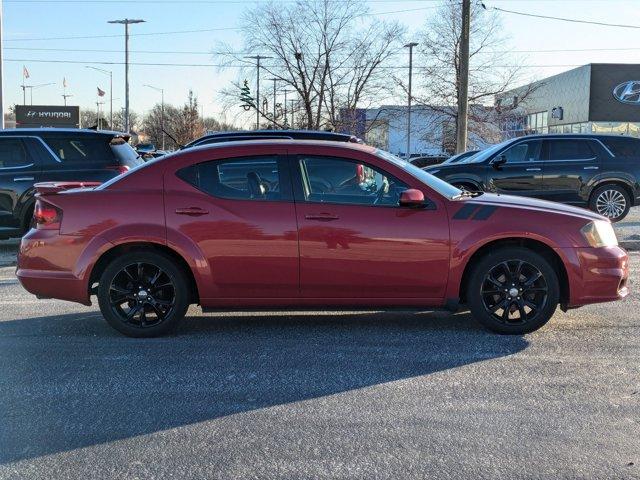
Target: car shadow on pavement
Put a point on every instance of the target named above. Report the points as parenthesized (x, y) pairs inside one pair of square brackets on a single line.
[(70, 381)]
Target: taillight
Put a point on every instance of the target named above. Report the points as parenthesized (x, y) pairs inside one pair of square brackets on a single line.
[(46, 216), (120, 168)]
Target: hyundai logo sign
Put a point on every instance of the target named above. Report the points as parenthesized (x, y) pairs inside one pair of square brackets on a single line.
[(628, 92)]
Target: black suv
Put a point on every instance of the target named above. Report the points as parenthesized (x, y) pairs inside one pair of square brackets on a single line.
[(220, 137), (28, 156), (601, 172)]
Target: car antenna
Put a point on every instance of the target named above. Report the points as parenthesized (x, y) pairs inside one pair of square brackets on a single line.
[(179, 145)]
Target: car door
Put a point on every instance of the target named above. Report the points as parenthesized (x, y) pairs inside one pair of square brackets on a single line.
[(240, 213), (19, 170), (357, 243), (521, 172), (569, 163)]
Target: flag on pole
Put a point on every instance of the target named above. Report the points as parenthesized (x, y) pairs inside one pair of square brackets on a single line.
[(64, 82), (25, 72), (100, 92)]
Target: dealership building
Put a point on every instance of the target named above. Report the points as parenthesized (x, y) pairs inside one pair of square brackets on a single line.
[(593, 98)]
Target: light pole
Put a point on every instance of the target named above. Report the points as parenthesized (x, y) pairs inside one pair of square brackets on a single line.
[(161, 90), (110, 73), (257, 58), (410, 46), (31, 87), (285, 91), (126, 22), (463, 84)]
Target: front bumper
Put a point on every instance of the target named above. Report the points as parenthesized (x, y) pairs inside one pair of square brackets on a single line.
[(596, 274)]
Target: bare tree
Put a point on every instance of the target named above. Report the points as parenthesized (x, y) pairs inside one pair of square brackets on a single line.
[(491, 71), (329, 53)]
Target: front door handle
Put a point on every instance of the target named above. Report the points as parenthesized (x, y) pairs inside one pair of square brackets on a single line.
[(23, 179), (591, 168), (322, 217), (191, 211), (533, 169)]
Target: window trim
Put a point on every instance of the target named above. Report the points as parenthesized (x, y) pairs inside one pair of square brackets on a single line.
[(284, 182), (295, 166)]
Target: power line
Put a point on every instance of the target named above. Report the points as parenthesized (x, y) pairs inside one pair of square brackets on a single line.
[(250, 64), (570, 20)]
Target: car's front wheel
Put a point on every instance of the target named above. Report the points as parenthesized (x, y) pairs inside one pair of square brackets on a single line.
[(143, 294), (513, 291), (612, 201)]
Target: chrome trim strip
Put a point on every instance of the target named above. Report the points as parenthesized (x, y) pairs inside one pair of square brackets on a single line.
[(17, 168)]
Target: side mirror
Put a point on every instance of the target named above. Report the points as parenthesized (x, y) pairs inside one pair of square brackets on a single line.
[(411, 198), (499, 161)]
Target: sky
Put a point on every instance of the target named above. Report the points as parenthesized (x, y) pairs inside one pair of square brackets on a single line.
[(25, 22)]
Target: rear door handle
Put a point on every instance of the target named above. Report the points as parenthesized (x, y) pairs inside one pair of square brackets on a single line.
[(23, 179), (533, 169), (591, 168), (322, 217), (191, 211)]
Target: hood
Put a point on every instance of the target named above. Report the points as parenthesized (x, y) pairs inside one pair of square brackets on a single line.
[(511, 201)]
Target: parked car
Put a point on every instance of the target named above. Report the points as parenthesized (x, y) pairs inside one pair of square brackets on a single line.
[(600, 172), (220, 137), (311, 224), (28, 156), (425, 161), (459, 157)]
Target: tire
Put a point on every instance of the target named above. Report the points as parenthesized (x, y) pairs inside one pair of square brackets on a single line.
[(543, 293), (157, 303), (612, 201)]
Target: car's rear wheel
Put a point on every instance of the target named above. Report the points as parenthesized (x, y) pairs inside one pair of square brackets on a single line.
[(143, 294), (513, 291), (612, 201)]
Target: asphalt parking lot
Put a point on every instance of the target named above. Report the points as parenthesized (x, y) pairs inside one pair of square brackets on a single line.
[(318, 395)]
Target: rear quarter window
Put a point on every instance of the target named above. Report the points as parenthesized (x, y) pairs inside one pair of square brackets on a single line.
[(92, 152), (623, 147)]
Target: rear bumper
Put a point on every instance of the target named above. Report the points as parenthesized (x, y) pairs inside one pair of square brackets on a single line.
[(596, 274), (58, 266)]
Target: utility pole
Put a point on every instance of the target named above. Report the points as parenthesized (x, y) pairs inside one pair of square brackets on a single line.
[(285, 91), (274, 102), (292, 102), (1, 74), (257, 58), (410, 47), (126, 22), (463, 81), (161, 90)]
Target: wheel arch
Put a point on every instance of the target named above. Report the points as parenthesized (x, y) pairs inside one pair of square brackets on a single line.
[(535, 245), (620, 182), (106, 257)]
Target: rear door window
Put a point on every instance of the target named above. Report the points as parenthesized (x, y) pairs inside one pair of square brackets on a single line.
[(247, 178), (569, 150)]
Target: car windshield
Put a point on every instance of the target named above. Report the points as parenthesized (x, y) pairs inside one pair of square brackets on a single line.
[(443, 188), (485, 154)]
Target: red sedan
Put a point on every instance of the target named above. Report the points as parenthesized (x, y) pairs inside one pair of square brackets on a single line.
[(307, 224)]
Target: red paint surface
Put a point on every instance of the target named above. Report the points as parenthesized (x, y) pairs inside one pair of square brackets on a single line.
[(246, 253)]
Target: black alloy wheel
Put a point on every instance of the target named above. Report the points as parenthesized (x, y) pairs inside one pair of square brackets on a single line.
[(143, 294), (513, 290)]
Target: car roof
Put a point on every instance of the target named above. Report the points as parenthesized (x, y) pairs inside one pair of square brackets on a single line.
[(542, 136), (252, 135), (282, 142)]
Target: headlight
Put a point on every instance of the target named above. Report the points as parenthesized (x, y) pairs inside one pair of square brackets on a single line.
[(599, 234)]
